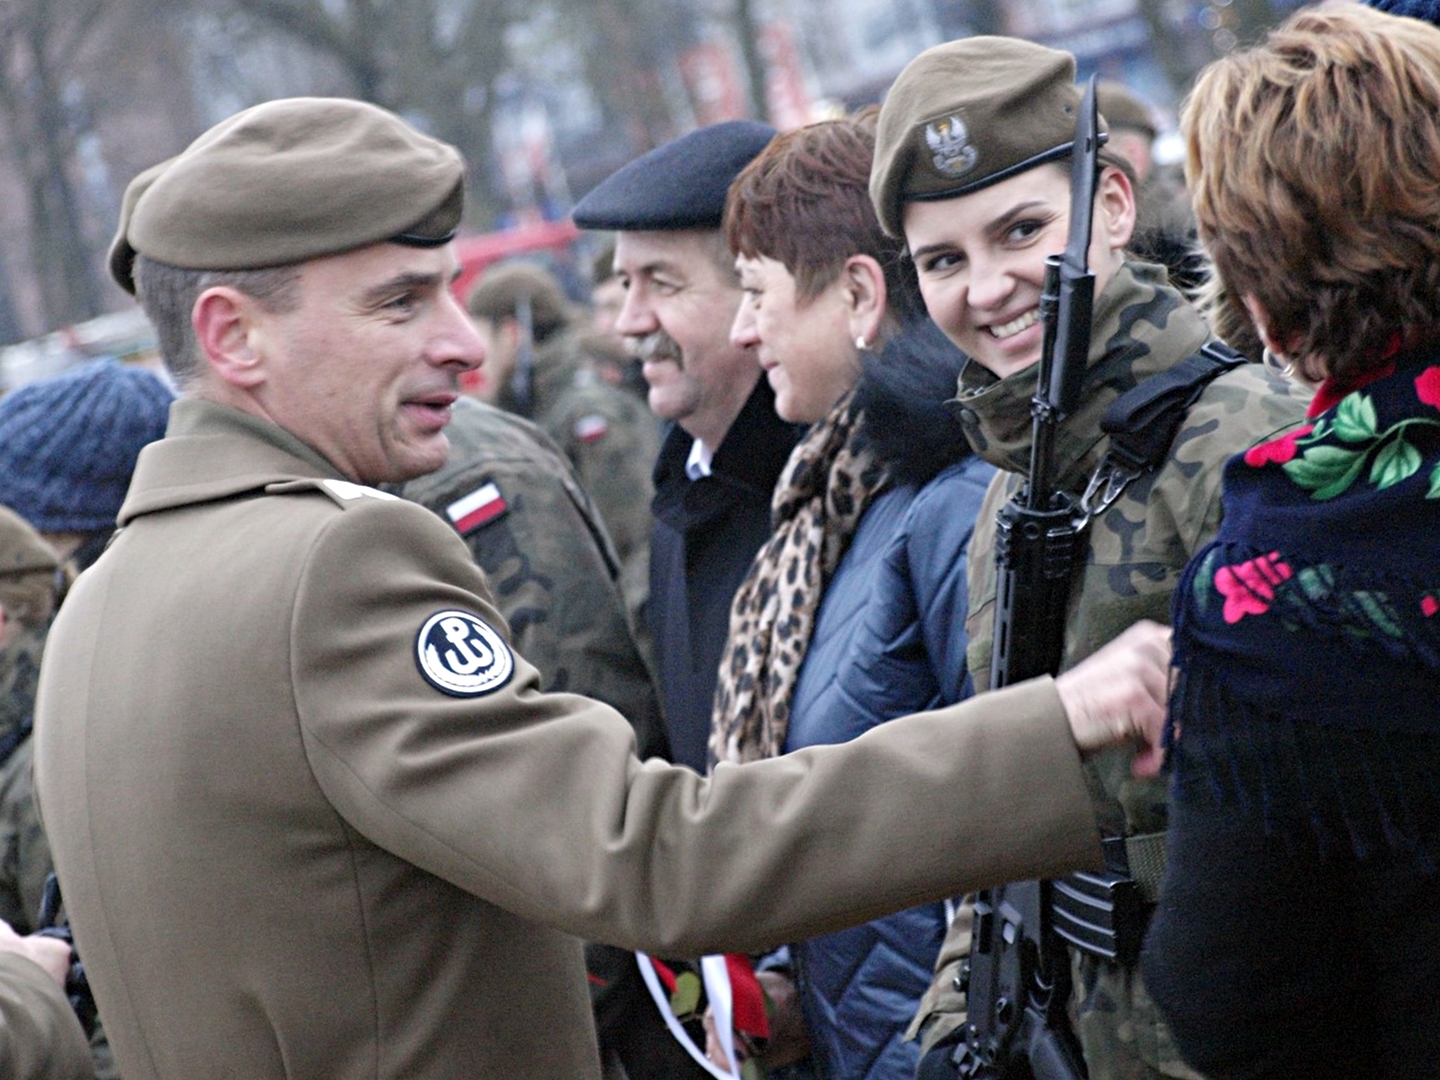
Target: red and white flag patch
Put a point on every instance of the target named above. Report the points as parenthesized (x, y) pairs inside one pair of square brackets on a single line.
[(591, 428), (480, 507)]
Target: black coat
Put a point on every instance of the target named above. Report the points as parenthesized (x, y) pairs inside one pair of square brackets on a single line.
[(706, 535)]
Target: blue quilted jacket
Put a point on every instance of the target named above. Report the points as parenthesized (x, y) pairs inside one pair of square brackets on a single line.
[(889, 639)]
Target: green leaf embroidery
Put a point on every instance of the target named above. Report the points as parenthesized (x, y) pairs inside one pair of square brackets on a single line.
[(1325, 470), (1355, 419), (1434, 492), (1377, 607), (1204, 582), (686, 998), (1316, 582), (1396, 461)]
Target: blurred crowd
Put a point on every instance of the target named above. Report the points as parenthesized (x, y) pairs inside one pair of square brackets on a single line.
[(744, 490)]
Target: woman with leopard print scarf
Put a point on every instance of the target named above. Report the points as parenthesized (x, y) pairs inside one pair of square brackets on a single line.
[(853, 612)]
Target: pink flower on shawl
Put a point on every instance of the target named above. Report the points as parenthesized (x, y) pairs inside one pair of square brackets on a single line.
[(1276, 451), (1427, 386), (1250, 587), (1429, 605)]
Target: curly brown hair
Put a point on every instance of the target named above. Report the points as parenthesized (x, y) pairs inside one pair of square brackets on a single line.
[(1314, 161), (805, 202)]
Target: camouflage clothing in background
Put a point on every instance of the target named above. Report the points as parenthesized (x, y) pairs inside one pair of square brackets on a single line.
[(610, 437), (1136, 552), (555, 578), (24, 853), (25, 860), (549, 561)]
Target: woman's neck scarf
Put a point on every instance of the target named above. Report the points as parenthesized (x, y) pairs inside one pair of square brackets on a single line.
[(828, 484), (1307, 634)]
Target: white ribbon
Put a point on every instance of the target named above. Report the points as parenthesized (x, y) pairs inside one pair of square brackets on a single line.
[(717, 988)]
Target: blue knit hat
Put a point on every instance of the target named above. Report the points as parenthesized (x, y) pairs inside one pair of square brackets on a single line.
[(68, 444), (1428, 10)]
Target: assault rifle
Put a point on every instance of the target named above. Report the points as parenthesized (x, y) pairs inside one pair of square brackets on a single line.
[(1019, 968), (522, 377), (77, 983)]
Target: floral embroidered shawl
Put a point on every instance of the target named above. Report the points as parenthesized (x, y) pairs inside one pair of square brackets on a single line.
[(1308, 632)]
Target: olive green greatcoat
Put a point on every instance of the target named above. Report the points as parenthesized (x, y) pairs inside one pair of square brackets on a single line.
[(1136, 551), (285, 853)]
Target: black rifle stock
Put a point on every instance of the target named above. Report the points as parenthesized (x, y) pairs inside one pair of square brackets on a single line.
[(1019, 968), (522, 378)]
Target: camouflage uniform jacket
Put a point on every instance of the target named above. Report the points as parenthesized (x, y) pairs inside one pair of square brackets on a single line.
[(530, 526), (24, 854), (611, 439), (1136, 552)]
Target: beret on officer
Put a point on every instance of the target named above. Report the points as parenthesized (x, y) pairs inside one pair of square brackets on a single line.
[(967, 114), (290, 180), (681, 185)]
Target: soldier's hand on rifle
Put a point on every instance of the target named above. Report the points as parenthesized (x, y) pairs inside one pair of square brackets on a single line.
[(1118, 695)]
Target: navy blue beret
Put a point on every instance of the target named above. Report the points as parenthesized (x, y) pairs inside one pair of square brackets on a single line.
[(680, 185), (1429, 10)]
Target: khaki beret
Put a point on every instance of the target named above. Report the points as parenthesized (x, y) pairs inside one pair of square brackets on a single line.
[(967, 114), (1122, 108), (22, 551), (286, 181), (498, 293)]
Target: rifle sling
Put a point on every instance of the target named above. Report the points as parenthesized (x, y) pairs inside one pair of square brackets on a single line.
[(1143, 422)]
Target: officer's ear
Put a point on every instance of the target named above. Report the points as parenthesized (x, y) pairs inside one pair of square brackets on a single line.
[(226, 328)]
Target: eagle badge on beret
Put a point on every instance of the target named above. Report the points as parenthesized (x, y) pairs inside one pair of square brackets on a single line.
[(951, 151), (462, 655)]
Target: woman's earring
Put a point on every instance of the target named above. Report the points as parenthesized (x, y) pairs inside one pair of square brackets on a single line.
[(1277, 364), (861, 343)]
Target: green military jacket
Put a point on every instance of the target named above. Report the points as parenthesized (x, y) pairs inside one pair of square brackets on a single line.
[(611, 439), (1136, 552)]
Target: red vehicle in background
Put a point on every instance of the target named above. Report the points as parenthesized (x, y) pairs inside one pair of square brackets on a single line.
[(478, 252)]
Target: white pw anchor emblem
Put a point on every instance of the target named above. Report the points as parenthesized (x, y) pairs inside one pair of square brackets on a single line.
[(468, 654), (459, 654)]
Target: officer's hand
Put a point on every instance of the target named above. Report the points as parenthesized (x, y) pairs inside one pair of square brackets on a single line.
[(1118, 695), (51, 954)]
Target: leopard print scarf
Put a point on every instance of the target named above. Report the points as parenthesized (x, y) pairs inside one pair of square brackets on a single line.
[(828, 484)]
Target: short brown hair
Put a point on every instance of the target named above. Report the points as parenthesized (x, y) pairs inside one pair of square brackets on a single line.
[(1314, 160), (167, 294), (805, 202)]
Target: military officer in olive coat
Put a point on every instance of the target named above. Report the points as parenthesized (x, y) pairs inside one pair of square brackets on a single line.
[(311, 813)]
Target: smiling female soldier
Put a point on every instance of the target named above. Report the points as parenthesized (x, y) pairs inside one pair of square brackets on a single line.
[(972, 170)]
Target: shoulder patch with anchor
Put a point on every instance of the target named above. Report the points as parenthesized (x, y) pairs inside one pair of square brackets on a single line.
[(462, 655)]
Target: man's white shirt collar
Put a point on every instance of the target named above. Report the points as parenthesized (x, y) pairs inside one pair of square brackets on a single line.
[(697, 466)]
